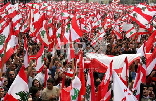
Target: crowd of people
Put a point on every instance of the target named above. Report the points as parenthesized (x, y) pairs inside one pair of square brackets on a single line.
[(42, 88)]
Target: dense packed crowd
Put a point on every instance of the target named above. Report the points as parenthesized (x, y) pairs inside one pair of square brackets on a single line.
[(47, 84)]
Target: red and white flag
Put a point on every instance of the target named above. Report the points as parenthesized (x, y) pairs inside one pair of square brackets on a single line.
[(76, 33), (40, 59), (18, 91), (151, 62), (121, 92), (26, 61)]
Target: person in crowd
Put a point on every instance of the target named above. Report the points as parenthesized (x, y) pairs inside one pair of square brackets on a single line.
[(11, 78), (35, 93), (50, 93), (41, 76), (1, 93)]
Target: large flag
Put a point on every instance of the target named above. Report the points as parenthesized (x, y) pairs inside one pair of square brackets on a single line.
[(121, 92), (76, 86), (19, 89)]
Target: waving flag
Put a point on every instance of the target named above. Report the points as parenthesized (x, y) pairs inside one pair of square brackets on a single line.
[(75, 31), (40, 59), (121, 92), (18, 91), (76, 86)]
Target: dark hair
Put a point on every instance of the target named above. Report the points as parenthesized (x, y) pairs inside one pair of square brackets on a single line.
[(50, 80), (33, 91), (40, 86)]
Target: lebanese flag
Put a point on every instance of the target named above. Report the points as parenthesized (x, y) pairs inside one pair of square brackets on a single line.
[(131, 32), (100, 37), (121, 92), (40, 59), (19, 89), (107, 96), (5, 31), (151, 62), (125, 73), (104, 85), (117, 32), (90, 88), (69, 72), (142, 14), (150, 41), (75, 30), (65, 94), (64, 14), (71, 52), (76, 86), (9, 49), (138, 80), (81, 76), (43, 35), (26, 61)]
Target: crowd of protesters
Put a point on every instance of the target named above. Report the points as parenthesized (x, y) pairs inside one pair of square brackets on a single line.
[(56, 64)]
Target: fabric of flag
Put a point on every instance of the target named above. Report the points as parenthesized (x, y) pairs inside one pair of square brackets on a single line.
[(88, 88), (5, 31), (131, 32), (43, 36), (81, 76), (151, 62), (125, 72), (9, 49), (138, 80), (76, 85), (65, 94), (104, 85), (143, 14), (26, 61), (120, 91), (64, 14), (150, 41), (76, 33), (40, 59), (18, 91)]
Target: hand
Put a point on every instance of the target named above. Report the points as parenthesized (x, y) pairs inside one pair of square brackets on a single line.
[(153, 73)]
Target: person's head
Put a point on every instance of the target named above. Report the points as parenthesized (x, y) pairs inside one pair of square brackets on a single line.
[(12, 74), (145, 91), (44, 69), (50, 83), (151, 93), (13, 67), (1, 92), (5, 81), (35, 92), (36, 83), (33, 72)]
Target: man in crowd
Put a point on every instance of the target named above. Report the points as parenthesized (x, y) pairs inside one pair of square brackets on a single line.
[(51, 92)]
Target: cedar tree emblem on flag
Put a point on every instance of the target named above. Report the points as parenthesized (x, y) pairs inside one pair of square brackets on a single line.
[(2, 39), (23, 95), (43, 33), (88, 88), (76, 91)]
